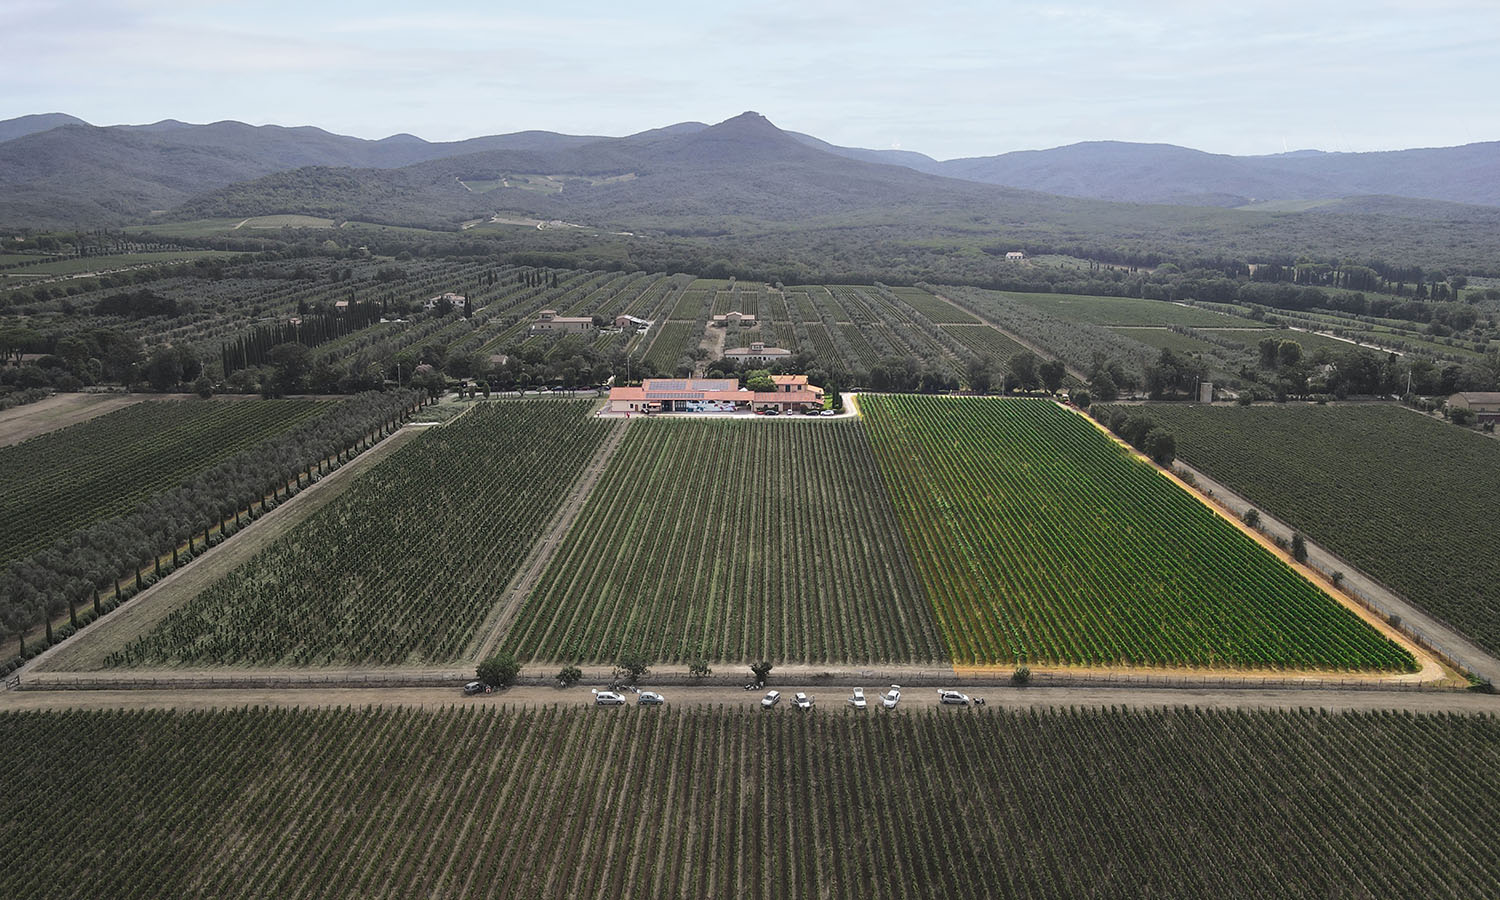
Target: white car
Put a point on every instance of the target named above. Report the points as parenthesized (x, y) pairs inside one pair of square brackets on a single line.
[(858, 699), (650, 698), (953, 698), (608, 698), (770, 699), (891, 697), (802, 701)]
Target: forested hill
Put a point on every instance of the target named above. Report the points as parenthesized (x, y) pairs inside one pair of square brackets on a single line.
[(1162, 173), (58, 170), (742, 186)]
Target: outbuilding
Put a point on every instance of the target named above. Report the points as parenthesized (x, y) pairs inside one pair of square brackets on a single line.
[(1485, 405)]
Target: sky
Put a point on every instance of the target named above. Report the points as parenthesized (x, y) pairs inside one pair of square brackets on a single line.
[(948, 79)]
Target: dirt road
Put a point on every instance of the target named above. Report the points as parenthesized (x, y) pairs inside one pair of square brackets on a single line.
[(826, 699), (1386, 602)]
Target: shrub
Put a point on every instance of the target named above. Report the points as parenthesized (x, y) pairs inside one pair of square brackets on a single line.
[(569, 676), (699, 669), (634, 664), (499, 670), (761, 671), (1022, 675), (1299, 548)]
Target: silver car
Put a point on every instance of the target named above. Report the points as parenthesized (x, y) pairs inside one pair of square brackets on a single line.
[(608, 698), (891, 697), (650, 698), (770, 699), (802, 701), (953, 698), (857, 700)]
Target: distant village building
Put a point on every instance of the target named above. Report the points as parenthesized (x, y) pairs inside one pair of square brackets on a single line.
[(1484, 404), (734, 318), (435, 302), (1016, 254), (708, 395), (757, 352), (549, 322), (341, 306)]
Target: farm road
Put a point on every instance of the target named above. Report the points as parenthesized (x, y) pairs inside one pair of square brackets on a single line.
[(546, 547), (826, 697), (1029, 345)]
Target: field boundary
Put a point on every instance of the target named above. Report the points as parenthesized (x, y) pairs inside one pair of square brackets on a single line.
[(540, 556)]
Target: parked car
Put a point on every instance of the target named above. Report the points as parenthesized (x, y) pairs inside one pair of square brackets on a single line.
[(953, 698), (802, 701), (650, 698), (858, 699), (608, 698), (829, 412), (770, 699), (473, 687), (891, 697)]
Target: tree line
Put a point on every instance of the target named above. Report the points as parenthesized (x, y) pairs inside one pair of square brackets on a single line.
[(84, 567)]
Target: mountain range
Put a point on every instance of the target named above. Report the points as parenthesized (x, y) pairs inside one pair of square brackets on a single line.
[(56, 169)]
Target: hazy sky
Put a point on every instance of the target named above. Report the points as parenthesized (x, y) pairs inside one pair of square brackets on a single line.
[(946, 78)]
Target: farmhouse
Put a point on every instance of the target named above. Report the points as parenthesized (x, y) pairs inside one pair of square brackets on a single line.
[(435, 302), (624, 321), (792, 393), (1484, 404), (734, 318), (757, 352), (1015, 254), (549, 322)]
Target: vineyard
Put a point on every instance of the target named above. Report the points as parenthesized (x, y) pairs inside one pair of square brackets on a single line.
[(728, 540), (1124, 311), (571, 802), (1040, 539), (406, 564), (59, 482), (1407, 499)]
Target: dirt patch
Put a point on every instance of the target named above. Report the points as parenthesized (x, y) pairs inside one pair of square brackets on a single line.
[(88, 650)]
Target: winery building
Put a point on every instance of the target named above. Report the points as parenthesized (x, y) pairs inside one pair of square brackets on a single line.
[(1484, 404), (714, 395), (549, 322)]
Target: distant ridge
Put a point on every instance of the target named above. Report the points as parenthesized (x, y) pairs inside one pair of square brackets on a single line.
[(10, 129), (56, 169)]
